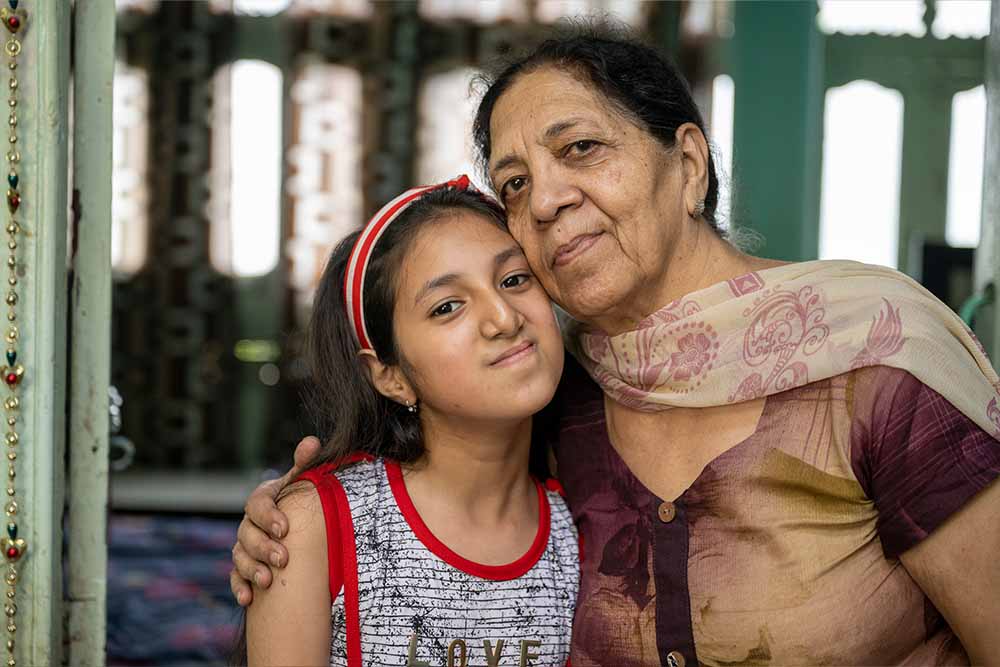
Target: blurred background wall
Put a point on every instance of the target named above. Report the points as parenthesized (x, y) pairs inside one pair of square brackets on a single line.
[(250, 135)]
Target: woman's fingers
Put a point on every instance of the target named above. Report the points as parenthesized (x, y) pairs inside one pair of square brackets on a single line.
[(305, 452), (241, 588), (262, 511), (255, 552)]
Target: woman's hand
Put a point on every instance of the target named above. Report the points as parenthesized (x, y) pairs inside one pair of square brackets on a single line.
[(289, 623), (255, 549), (956, 566)]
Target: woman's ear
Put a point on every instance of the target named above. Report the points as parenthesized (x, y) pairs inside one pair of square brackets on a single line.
[(388, 380), (694, 161)]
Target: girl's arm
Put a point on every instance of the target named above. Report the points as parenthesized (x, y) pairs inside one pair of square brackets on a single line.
[(289, 622)]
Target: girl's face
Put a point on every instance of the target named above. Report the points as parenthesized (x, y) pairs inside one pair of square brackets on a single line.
[(476, 330)]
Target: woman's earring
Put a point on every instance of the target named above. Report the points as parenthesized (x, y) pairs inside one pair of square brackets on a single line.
[(699, 208), (411, 407)]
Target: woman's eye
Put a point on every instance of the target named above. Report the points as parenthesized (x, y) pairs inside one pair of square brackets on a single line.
[(581, 147), (512, 187), (446, 308), (515, 280)]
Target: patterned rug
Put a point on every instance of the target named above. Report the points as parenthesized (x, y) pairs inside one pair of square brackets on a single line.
[(168, 591)]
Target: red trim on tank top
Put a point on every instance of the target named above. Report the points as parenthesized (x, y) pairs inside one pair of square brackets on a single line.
[(323, 479), (350, 572), (494, 572), (340, 541)]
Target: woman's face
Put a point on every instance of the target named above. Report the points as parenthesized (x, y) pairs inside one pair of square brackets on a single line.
[(594, 200), (476, 330)]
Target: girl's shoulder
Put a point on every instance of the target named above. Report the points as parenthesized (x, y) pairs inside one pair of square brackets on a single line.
[(301, 502)]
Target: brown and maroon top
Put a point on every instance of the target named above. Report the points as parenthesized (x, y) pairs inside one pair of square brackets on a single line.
[(785, 549)]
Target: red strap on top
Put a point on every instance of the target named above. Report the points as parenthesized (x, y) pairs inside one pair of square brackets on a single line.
[(552, 484), (322, 478), (341, 555)]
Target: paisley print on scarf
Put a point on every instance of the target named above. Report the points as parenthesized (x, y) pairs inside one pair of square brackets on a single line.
[(664, 349), (783, 327), (783, 324), (746, 284), (695, 352), (885, 338), (993, 413)]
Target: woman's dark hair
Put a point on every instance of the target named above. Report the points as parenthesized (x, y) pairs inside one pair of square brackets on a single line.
[(349, 414), (633, 77)]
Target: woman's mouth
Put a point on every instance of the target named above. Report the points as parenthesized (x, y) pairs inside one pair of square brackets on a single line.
[(568, 252)]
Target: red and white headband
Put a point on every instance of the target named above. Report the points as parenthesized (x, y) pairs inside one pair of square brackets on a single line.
[(357, 264)]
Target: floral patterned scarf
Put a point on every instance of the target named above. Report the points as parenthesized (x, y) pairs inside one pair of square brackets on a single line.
[(765, 332)]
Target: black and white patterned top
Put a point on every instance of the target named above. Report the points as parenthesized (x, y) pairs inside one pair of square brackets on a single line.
[(402, 597)]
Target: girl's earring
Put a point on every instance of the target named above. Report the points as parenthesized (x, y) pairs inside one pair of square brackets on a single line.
[(411, 407)]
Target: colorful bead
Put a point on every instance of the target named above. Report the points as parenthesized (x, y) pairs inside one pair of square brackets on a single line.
[(14, 548), (13, 378), (13, 20)]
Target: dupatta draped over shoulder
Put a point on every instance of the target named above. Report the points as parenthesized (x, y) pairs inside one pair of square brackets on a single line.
[(770, 331)]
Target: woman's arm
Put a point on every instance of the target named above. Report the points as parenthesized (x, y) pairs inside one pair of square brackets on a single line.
[(957, 567), (934, 476), (289, 622)]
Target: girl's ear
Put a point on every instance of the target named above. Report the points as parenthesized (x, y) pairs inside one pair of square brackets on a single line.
[(388, 380)]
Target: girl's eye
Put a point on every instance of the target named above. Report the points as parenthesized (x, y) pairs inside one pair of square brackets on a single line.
[(446, 308), (515, 281)]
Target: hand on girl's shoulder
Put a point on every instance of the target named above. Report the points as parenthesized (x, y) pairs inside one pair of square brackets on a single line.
[(289, 623)]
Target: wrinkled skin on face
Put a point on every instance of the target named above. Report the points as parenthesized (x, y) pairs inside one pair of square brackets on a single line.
[(600, 206)]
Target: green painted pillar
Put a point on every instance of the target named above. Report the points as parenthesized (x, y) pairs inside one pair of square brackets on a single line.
[(43, 140), (776, 61), (89, 334)]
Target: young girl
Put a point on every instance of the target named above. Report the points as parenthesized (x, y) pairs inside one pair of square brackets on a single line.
[(421, 538)]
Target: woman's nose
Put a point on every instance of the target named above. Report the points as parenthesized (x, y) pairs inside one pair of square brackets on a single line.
[(501, 319), (550, 194)]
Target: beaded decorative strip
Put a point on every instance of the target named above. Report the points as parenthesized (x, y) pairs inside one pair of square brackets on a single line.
[(14, 547)]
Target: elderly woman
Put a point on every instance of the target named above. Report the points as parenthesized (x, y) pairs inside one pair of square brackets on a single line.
[(768, 463)]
